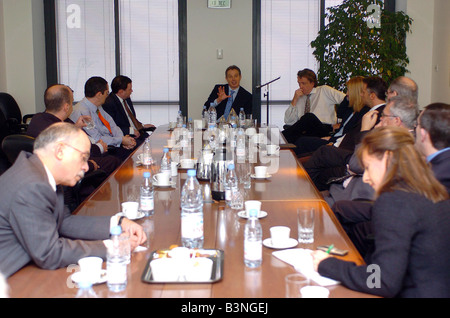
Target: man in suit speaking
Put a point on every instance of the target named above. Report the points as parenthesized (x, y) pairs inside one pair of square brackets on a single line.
[(35, 226), (231, 95)]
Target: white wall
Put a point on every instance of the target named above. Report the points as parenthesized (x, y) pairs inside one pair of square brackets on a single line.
[(22, 62), (207, 31)]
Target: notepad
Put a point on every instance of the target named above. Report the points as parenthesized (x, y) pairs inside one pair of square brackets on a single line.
[(301, 260)]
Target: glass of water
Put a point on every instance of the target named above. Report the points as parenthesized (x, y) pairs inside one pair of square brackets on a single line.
[(305, 219)]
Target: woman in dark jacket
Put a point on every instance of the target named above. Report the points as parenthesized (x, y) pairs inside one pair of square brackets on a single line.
[(410, 222)]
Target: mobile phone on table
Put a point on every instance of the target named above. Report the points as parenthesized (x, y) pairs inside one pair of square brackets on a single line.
[(334, 250)]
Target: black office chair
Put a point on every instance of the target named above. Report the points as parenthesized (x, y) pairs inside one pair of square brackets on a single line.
[(14, 122), (12, 145)]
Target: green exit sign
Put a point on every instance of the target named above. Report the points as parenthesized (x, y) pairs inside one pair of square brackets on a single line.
[(219, 4)]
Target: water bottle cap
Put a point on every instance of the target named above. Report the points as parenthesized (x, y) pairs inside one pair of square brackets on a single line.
[(166, 149), (231, 166), (116, 230), (253, 213), (191, 173), (146, 174)]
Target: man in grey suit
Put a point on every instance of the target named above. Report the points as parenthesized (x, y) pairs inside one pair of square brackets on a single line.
[(34, 224)]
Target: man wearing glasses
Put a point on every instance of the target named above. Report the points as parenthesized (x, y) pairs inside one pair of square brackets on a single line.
[(35, 226)]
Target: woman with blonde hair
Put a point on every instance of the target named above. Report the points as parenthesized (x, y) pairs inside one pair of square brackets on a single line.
[(410, 223), (351, 111)]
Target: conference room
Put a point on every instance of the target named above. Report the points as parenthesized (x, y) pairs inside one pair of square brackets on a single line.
[(175, 53)]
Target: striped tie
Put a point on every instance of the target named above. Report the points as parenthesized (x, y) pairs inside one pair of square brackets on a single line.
[(104, 121), (307, 104)]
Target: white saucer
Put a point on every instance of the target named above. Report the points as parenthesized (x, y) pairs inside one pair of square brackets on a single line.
[(139, 216), (243, 214), (172, 184), (266, 177), (289, 243), (77, 275)]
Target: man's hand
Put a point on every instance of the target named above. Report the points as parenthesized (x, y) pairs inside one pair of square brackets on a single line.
[(135, 231), (369, 120), (128, 142), (221, 95), (81, 121), (298, 93)]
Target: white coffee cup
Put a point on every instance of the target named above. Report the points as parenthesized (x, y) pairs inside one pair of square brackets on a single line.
[(252, 204), (279, 235), (91, 268), (161, 179), (314, 292), (260, 171), (272, 149), (170, 143), (130, 209), (187, 163)]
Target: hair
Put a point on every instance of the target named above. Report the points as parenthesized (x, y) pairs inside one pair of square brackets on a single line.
[(94, 85), (406, 109), (405, 86), (120, 82), (232, 67), (54, 133), (354, 87), (435, 119), (376, 85), (56, 96), (309, 75), (406, 169)]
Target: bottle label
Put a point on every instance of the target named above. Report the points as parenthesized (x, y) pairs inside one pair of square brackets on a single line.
[(147, 204), (117, 272), (192, 226), (252, 250)]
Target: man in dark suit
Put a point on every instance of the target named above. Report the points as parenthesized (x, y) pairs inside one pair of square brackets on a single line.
[(231, 95), (35, 226), (120, 107)]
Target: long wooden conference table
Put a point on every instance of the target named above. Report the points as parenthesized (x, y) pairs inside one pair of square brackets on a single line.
[(281, 195)]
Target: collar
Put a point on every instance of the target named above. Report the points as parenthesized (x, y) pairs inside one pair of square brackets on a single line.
[(50, 177), (377, 106), (235, 90), (90, 105), (433, 155)]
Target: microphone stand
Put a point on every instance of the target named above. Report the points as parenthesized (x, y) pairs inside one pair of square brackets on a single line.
[(267, 95)]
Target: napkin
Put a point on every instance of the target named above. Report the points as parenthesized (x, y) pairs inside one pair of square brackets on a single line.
[(301, 260)]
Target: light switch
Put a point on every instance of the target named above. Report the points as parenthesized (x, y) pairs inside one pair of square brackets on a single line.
[(219, 54)]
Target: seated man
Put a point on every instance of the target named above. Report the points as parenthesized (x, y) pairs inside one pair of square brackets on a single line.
[(329, 161), (34, 224), (96, 92), (118, 104), (312, 109), (58, 100), (229, 96)]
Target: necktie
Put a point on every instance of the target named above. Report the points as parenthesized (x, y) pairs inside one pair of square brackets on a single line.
[(104, 121), (229, 103), (136, 123), (307, 104)]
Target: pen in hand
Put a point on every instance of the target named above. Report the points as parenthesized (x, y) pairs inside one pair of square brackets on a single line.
[(330, 248)]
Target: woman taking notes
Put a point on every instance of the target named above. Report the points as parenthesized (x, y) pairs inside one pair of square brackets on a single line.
[(410, 222)]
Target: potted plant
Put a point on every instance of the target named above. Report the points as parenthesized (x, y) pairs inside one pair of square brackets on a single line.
[(361, 38)]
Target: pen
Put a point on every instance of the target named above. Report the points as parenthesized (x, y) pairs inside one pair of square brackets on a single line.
[(330, 248)]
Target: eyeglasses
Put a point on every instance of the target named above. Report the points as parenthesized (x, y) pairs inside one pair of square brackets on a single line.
[(84, 155), (383, 115)]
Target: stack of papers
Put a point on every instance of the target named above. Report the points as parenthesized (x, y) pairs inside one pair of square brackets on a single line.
[(301, 260)]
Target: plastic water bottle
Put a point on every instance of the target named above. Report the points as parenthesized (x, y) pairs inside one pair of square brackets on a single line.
[(192, 212), (166, 163), (116, 264), (205, 116), (231, 184), (241, 117), (212, 115), (146, 200), (240, 145), (85, 289), (147, 159), (180, 119), (253, 240), (184, 137)]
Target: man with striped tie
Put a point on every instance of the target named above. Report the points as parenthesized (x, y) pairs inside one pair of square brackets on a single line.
[(96, 91)]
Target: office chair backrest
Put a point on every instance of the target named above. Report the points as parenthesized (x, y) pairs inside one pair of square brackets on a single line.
[(12, 145)]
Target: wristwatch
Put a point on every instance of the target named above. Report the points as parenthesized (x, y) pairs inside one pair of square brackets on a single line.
[(120, 220)]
